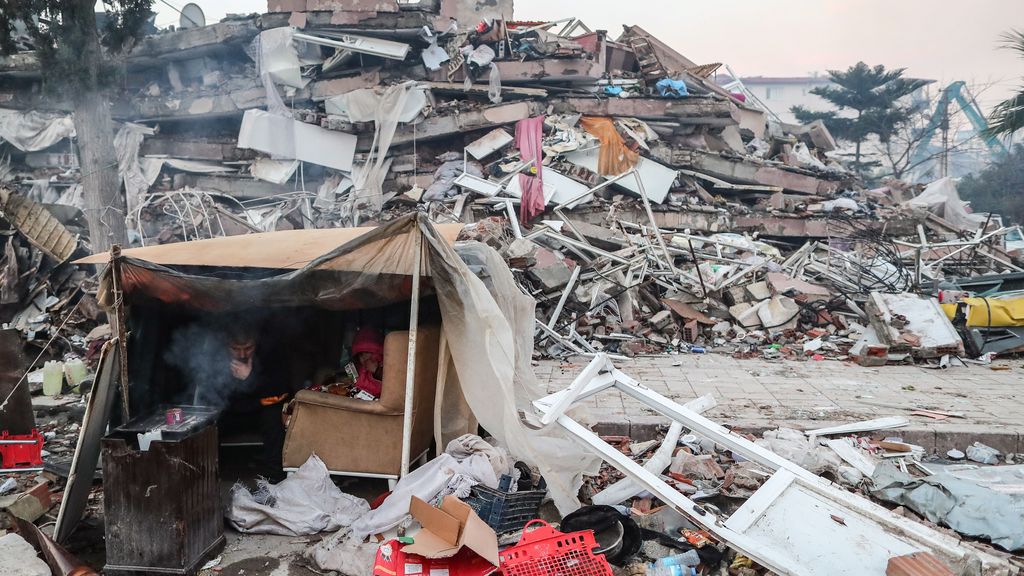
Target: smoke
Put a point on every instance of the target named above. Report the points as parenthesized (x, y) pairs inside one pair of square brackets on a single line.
[(200, 353)]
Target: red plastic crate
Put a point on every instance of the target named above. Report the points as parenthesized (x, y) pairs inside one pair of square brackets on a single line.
[(27, 453), (545, 551)]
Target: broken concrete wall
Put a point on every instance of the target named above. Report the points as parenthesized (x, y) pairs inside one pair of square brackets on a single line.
[(469, 13)]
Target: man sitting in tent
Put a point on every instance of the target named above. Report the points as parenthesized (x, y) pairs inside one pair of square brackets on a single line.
[(259, 389)]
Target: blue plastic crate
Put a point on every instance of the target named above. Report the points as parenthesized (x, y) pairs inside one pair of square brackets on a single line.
[(504, 511)]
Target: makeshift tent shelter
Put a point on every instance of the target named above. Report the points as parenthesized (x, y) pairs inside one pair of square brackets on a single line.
[(487, 321)]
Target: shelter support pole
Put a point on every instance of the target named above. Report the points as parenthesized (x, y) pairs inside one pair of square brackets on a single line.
[(122, 328), (439, 391), (410, 364)]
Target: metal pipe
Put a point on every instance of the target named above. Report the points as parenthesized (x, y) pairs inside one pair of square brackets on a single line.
[(565, 296), (410, 363), (696, 263), (361, 44)]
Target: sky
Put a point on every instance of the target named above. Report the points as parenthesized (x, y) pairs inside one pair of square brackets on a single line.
[(942, 40)]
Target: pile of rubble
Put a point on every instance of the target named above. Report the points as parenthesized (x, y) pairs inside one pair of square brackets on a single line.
[(646, 208), (650, 208)]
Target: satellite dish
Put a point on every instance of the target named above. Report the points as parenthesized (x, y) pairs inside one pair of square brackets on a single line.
[(192, 17)]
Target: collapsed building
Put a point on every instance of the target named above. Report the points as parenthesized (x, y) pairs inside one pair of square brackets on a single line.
[(320, 114), (645, 208)]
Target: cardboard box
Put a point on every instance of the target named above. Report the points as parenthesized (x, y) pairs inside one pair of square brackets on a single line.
[(454, 541)]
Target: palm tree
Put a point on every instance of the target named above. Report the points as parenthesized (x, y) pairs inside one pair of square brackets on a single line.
[(1008, 116)]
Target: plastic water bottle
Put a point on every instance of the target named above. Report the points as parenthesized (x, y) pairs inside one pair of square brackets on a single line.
[(678, 565)]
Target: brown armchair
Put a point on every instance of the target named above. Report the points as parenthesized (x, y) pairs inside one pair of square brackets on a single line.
[(359, 438)]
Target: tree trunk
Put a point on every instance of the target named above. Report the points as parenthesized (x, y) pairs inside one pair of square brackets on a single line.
[(101, 186)]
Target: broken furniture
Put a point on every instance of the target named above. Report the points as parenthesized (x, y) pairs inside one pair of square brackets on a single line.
[(789, 524), (371, 431), (161, 502)]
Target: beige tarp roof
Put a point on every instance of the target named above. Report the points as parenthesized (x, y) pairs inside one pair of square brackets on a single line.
[(285, 250)]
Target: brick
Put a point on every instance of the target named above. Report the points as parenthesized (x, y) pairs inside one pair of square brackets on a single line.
[(917, 564)]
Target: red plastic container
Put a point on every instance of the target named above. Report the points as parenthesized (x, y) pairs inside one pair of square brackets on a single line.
[(21, 450), (545, 551)]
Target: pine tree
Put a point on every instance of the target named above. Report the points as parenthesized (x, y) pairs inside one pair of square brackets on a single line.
[(873, 94), (77, 62), (1008, 116)]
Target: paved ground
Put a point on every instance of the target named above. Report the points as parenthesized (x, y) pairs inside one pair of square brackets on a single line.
[(756, 394)]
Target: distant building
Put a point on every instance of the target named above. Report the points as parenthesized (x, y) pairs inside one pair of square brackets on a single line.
[(781, 93)]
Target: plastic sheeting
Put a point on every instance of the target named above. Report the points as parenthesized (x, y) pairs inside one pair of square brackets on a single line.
[(307, 502), (964, 506), (994, 312), (32, 131), (136, 179), (363, 105), (285, 139), (368, 194), (941, 198), (488, 324)]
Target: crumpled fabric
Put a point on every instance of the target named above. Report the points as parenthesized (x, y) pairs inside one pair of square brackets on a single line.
[(307, 502), (469, 444), (431, 482), (615, 157), (32, 131), (443, 185), (529, 136), (344, 554), (967, 507)]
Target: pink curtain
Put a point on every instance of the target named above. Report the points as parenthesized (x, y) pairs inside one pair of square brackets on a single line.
[(529, 133)]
